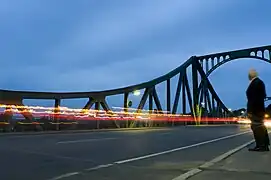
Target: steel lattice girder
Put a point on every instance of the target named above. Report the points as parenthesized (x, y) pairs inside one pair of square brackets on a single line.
[(201, 90)]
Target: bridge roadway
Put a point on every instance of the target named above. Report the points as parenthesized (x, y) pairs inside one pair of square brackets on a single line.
[(115, 155)]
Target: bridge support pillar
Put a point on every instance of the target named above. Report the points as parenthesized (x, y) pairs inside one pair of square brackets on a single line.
[(125, 105), (6, 118), (195, 87), (168, 97), (56, 113), (97, 108)]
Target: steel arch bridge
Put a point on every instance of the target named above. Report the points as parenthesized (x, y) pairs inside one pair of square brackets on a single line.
[(201, 91)]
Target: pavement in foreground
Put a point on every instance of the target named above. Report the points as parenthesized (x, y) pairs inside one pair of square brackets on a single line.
[(242, 165), (83, 156)]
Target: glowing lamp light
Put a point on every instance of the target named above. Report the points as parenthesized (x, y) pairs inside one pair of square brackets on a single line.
[(267, 124), (266, 116), (136, 93)]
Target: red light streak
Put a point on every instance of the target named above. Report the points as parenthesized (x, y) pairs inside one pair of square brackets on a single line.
[(65, 113)]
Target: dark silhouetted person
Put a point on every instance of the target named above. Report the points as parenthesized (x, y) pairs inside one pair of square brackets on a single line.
[(256, 95)]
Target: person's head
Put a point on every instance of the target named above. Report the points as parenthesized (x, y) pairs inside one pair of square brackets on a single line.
[(252, 74)]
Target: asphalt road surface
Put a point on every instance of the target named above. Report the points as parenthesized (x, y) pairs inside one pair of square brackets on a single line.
[(160, 154)]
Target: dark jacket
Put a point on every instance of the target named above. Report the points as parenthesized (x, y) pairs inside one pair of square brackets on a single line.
[(256, 95)]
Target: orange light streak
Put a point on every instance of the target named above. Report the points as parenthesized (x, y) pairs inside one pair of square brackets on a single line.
[(76, 112), (89, 114)]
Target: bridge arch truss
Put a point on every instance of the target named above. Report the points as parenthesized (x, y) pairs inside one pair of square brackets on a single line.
[(211, 62), (201, 91)]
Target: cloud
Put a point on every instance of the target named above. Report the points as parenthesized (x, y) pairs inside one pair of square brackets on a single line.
[(115, 75), (95, 36)]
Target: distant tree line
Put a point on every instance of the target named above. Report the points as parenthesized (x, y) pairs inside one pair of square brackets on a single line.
[(239, 112)]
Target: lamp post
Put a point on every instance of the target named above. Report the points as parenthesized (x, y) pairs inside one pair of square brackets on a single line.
[(242, 114), (130, 103), (197, 113), (202, 112), (135, 93), (229, 115)]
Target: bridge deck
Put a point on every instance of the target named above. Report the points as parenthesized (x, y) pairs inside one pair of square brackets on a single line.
[(115, 155)]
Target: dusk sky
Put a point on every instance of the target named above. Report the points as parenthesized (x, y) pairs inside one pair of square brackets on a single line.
[(90, 45)]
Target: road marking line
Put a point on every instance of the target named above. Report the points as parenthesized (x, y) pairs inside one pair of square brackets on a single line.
[(99, 167), (180, 148), (225, 155), (157, 154), (188, 174), (195, 171), (85, 140), (65, 175)]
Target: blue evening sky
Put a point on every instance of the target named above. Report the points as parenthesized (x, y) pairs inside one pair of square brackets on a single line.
[(87, 45)]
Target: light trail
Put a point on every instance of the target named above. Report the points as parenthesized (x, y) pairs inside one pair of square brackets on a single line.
[(77, 112), (267, 122), (65, 113)]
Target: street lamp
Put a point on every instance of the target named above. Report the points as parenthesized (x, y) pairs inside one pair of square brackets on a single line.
[(202, 108), (136, 93), (129, 104)]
